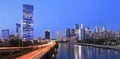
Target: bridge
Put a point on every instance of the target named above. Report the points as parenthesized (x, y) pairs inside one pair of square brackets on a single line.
[(37, 54)]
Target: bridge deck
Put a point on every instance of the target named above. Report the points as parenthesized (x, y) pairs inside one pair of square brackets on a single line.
[(37, 54)]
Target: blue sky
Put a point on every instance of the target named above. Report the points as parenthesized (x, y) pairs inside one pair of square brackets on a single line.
[(61, 14)]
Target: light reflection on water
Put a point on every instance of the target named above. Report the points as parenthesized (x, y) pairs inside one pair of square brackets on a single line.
[(71, 51)]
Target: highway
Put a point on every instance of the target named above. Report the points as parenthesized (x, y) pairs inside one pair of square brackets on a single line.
[(10, 49), (37, 54)]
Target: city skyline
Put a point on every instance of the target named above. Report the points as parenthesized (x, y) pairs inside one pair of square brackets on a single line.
[(54, 17)]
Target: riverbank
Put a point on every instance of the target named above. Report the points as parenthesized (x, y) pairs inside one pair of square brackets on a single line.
[(113, 47)]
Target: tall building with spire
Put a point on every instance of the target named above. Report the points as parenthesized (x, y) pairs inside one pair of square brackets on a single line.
[(82, 26), (27, 22), (96, 29), (76, 30), (104, 32), (82, 32), (104, 28), (87, 32)]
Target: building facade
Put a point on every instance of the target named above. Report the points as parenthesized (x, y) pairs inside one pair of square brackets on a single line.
[(87, 33), (68, 35), (117, 35), (97, 29), (76, 29), (76, 26), (59, 35), (47, 34), (5, 34), (18, 29), (72, 32), (82, 32), (27, 23)]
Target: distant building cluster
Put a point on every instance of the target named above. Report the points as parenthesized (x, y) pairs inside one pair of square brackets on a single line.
[(82, 32), (25, 28)]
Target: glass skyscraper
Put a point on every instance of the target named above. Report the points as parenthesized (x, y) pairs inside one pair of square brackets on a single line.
[(5, 34), (82, 32), (27, 23), (18, 28), (47, 34)]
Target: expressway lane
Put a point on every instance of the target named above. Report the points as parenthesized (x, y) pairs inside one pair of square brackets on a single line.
[(37, 54), (10, 49)]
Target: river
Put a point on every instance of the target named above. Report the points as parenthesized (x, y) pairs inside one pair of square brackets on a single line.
[(72, 51)]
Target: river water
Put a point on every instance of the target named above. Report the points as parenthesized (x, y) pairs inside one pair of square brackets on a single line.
[(72, 51)]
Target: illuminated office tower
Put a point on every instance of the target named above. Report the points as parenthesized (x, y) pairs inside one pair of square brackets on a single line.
[(97, 29), (72, 32), (18, 29), (117, 35), (27, 23), (87, 32), (58, 35), (68, 33), (76, 26), (104, 33), (82, 32), (47, 34), (104, 29), (5, 34)]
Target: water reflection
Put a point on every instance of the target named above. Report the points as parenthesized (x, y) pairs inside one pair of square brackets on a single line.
[(76, 52), (71, 51), (65, 51), (86, 52)]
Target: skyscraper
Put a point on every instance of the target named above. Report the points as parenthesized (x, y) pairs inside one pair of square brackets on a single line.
[(18, 29), (104, 28), (97, 29), (87, 32), (27, 23), (68, 32), (117, 35), (87, 29), (58, 35), (82, 32), (76, 26), (47, 34), (104, 33), (5, 34), (72, 32)]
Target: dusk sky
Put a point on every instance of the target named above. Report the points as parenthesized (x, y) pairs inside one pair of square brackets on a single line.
[(57, 15)]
